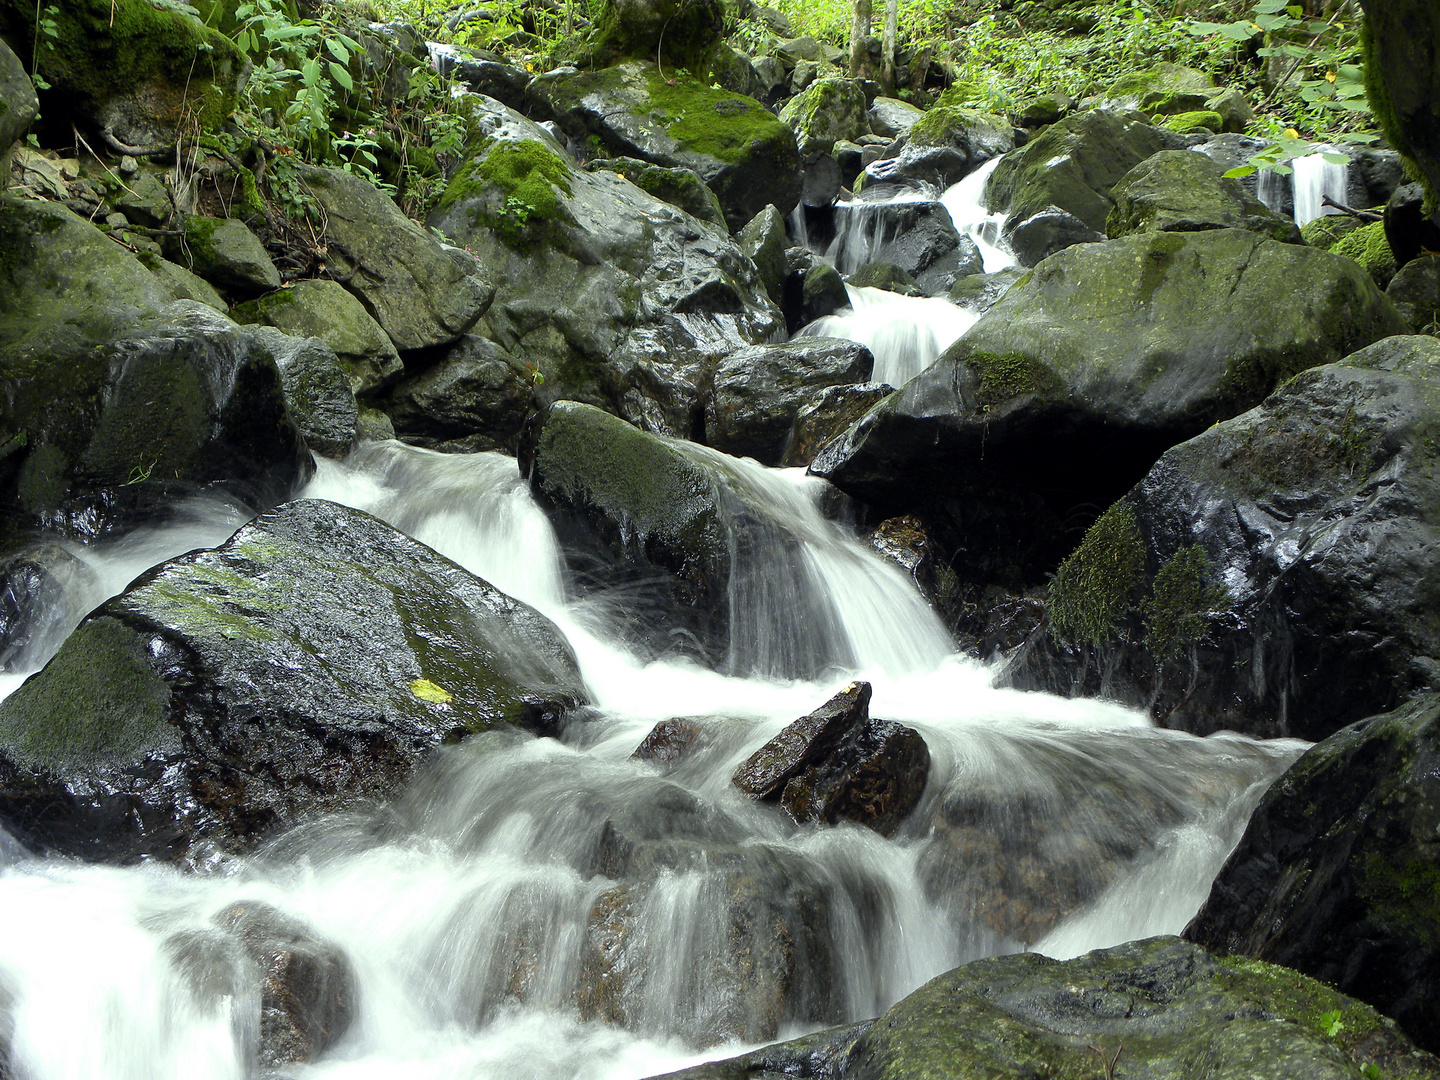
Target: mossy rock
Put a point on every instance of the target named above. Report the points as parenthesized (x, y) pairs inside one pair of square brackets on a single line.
[(951, 126), (744, 154), (1342, 846), (1165, 88), (827, 111), (1326, 231), (225, 253), (683, 33), (1367, 246), (299, 661), (1187, 123), (676, 186), (1182, 191), (887, 276), (142, 72)]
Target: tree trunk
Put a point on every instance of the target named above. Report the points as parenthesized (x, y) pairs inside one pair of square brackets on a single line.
[(887, 47), (859, 31)]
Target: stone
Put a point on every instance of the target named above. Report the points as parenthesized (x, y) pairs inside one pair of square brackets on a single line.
[(828, 415), (503, 82), (1415, 291), (421, 293), (225, 253), (887, 276), (1336, 875), (743, 153), (1061, 362), (325, 309), (826, 111), (876, 777), (822, 293), (183, 283), (1182, 191), (678, 186), (765, 773), (940, 149), (917, 236), (1233, 108), (477, 391), (306, 666), (669, 741), (34, 610), (18, 107), (1165, 88), (980, 292), (763, 239), (1405, 49), (317, 390), (759, 390), (891, 116), (1269, 576), (144, 200)]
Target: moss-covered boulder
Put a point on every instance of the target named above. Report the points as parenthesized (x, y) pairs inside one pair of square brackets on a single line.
[(678, 186), (421, 293), (225, 253), (943, 147), (18, 107), (1165, 88), (1326, 231), (139, 72), (609, 295), (324, 309), (827, 111), (1070, 387), (1071, 168), (1338, 874), (1368, 246), (681, 33), (1275, 574), (119, 400), (758, 391), (307, 664), (1403, 78), (1182, 191), (746, 156), (1197, 121), (476, 397)]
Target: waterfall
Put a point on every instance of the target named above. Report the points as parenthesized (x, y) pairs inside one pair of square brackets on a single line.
[(966, 203), (1313, 179), (906, 334), (477, 910)]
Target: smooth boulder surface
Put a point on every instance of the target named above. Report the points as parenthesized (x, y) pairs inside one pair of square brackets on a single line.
[(420, 292), (611, 296), (826, 112), (1274, 575), (306, 665), (1182, 191), (759, 391), (1337, 873), (225, 253), (477, 395), (1071, 386), (746, 156)]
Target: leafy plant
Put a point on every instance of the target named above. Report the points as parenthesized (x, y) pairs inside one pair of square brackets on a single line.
[(1330, 1024)]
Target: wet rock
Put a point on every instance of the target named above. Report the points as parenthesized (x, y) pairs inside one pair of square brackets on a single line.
[(18, 107), (308, 989), (1071, 168), (184, 284), (763, 240), (887, 276), (1182, 191), (1270, 575), (1059, 397), (678, 186), (980, 292), (1165, 88), (1373, 176), (317, 390), (824, 178), (669, 741), (906, 542), (811, 1056), (942, 148), (746, 156), (616, 298), (1047, 231), (758, 391), (891, 117), (1415, 291), (34, 583), (733, 71), (324, 309), (1147, 1008), (1336, 873), (764, 774), (1406, 41), (917, 236), (307, 664), (826, 111), (421, 293), (479, 75), (822, 293), (225, 253), (477, 391), (1407, 231), (828, 416)]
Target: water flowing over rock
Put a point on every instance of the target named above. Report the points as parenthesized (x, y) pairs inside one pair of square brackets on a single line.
[(309, 662), (1277, 573), (1336, 875), (1059, 392), (943, 148), (612, 297), (916, 235), (746, 156)]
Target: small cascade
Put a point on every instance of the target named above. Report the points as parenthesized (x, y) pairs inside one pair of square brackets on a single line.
[(537, 908), (966, 203), (905, 333), (1315, 178), (863, 227)]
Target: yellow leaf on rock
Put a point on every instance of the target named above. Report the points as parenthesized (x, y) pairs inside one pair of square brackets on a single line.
[(426, 690)]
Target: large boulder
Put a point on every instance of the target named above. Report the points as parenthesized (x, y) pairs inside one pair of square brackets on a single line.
[(1403, 78), (1168, 89), (1338, 876), (759, 391), (942, 148), (309, 663), (18, 107), (317, 390), (826, 112), (420, 292), (225, 253), (916, 235), (477, 395), (118, 400), (1182, 191), (682, 33), (1160, 1008), (140, 73), (1068, 389), (1274, 575), (610, 295), (745, 155), (1056, 188)]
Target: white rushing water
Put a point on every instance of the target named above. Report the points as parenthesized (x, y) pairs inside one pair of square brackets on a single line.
[(1311, 180), (907, 334), (470, 911)]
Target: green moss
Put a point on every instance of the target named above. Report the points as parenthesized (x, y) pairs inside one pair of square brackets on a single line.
[(1200, 120), (708, 121), (1367, 246), (1407, 894), (1182, 593), (939, 124), (1090, 597), (1006, 376), (1303, 999), (100, 703), (520, 184), (1377, 96), (1327, 231)]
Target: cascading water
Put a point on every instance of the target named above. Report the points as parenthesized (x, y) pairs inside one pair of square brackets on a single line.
[(547, 909), (906, 334), (1312, 179)]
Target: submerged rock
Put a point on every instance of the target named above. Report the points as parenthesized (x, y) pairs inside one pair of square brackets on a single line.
[(1067, 389), (1338, 875), (305, 665), (1275, 574), (915, 235), (669, 741)]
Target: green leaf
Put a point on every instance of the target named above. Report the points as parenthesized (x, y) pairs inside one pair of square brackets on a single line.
[(341, 76), (338, 50), (1240, 171), (310, 71), (1270, 7)]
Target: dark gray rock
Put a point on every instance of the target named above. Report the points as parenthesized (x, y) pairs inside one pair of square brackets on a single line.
[(822, 293), (1059, 396), (1406, 53), (503, 82), (477, 392), (917, 236), (34, 585), (1273, 575), (944, 147), (669, 741), (317, 390), (1047, 231), (1415, 291), (677, 186), (306, 665), (1182, 191), (1336, 874), (827, 416), (763, 239), (981, 292), (225, 253), (765, 773), (18, 107), (759, 391)]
